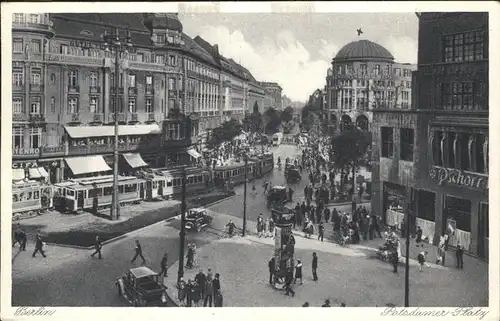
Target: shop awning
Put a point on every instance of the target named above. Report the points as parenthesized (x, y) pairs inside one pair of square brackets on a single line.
[(134, 160), (193, 153), (43, 172), (87, 164), (18, 174), (103, 131), (34, 173)]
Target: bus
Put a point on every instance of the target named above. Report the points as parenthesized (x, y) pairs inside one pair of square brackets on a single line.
[(277, 138)]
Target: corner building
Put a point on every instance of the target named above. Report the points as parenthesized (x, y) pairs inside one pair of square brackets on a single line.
[(438, 150), (363, 77), (63, 84)]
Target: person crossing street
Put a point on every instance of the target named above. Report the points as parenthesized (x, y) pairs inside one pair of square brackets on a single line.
[(138, 252), (163, 266), (315, 266), (321, 231), (39, 246), (97, 247)]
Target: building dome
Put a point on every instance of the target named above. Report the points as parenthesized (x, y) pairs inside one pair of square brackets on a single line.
[(169, 21), (363, 50)]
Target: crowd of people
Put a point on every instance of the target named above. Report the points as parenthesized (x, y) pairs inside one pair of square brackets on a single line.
[(203, 287)]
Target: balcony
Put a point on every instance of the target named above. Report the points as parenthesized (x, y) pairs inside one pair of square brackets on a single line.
[(36, 88), (150, 90), (73, 89), (52, 151), (24, 25), (37, 118), (97, 117), (75, 60), (95, 89), (133, 117), (120, 90), (132, 91), (18, 87), (121, 117), (19, 117)]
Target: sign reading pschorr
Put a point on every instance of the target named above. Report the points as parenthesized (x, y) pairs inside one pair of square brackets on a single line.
[(457, 177)]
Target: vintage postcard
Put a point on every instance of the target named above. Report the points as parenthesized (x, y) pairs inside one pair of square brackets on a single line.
[(250, 155)]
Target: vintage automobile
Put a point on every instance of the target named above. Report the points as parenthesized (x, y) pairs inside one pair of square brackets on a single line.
[(197, 219), (277, 196), (292, 173), (141, 287)]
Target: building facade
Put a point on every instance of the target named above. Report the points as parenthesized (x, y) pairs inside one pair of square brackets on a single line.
[(64, 81), (273, 93), (363, 77), (436, 153)]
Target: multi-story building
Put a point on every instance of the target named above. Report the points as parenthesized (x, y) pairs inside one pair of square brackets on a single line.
[(436, 152), (363, 77), (64, 94), (273, 95)]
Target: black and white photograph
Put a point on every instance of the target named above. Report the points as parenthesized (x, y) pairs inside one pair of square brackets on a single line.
[(192, 159)]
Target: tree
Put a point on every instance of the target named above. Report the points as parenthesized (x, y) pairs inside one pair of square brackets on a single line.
[(348, 152), (287, 114), (224, 133), (272, 121), (313, 107)]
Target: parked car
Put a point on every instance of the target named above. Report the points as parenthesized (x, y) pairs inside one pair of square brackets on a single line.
[(141, 287), (277, 196), (197, 219)]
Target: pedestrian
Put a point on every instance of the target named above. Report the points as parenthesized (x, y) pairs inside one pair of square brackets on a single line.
[(218, 299), (272, 269), (327, 215), (97, 247), (460, 256), (195, 293), (394, 258), (441, 253), (189, 293), (271, 227), (163, 266), (418, 239), (209, 290), (254, 190), (321, 231), (298, 272), (265, 227), (421, 260), (260, 225), (181, 292), (20, 237), (201, 280), (39, 246), (305, 305), (342, 305), (138, 252), (288, 284), (230, 228), (216, 283), (315, 266), (326, 304), (290, 194)]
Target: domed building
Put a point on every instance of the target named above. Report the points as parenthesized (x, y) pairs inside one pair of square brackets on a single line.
[(365, 76)]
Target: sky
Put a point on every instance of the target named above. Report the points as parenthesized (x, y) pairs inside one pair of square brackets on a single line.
[(296, 49)]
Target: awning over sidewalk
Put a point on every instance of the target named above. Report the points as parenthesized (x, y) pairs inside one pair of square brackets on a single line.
[(18, 174), (134, 160), (193, 153), (103, 131), (37, 172), (87, 164)]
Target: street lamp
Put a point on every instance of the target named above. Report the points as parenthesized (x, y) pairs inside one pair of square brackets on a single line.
[(120, 45), (408, 203), (245, 158)]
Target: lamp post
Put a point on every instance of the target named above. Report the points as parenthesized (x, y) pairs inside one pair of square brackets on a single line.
[(408, 203), (120, 45), (245, 156), (182, 234)]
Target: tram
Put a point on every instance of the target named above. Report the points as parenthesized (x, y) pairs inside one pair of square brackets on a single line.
[(234, 173), (30, 198), (80, 194)]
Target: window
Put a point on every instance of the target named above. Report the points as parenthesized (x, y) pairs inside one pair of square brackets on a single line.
[(35, 106), (63, 50), (149, 105), (94, 79), (36, 75), (18, 17), (407, 137), (171, 83), (480, 164), (53, 104), (131, 80), (34, 18), (464, 47), (160, 59), (53, 78), (387, 142), (17, 105), (463, 145), (131, 105), (160, 38), (457, 96), (173, 131), (363, 69), (376, 70), (387, 70), (172, 60), (73, 105), (405, 95), (73, 78), (17, 45), (94, 104), (17, 77), (35, 137), (149, 80), (130, 188), (459, 210), (36, 46), (140, 57), (17, 137)]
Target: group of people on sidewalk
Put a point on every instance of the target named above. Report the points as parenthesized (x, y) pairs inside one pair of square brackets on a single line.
[(21, 237), (204, 287)]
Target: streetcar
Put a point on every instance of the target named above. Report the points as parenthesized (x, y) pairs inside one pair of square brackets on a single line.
[(80, 194), (234, 173), (30, 198)]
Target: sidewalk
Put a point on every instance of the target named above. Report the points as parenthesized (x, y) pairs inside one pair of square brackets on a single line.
[(347, 274)]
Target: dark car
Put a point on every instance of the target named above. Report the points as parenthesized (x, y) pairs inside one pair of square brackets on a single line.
[(197, 219), (277, 196), (141, 287), (292, 173)]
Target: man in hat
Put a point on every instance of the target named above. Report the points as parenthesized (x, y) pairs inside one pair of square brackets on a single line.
[(20, 237), (97, 247), (39, 246), (272, 269), (163, 265), (138, 252)]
